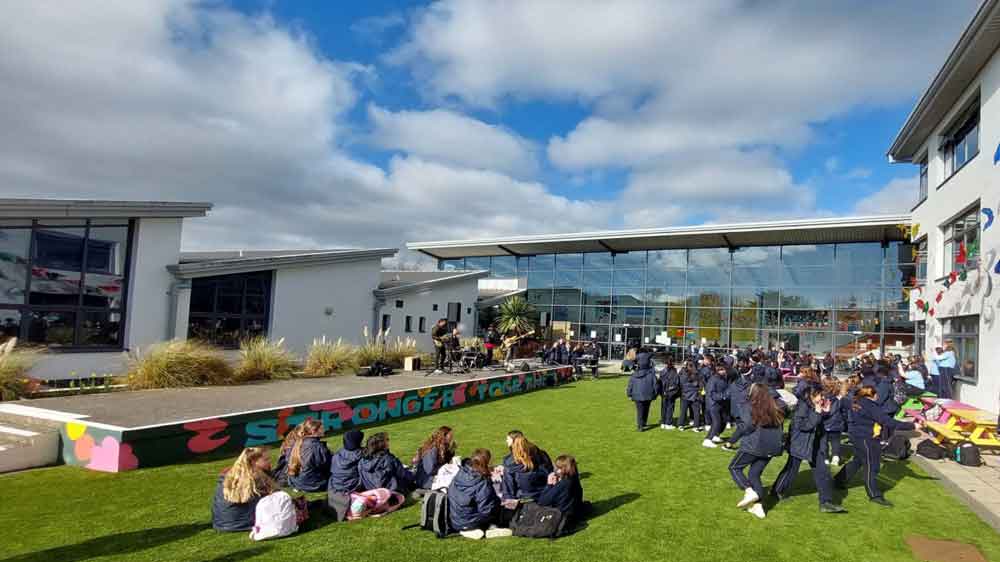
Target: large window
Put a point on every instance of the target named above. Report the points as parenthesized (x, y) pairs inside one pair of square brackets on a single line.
[(229, 308), (962, 237), (963, 332), (962, 144), (74, 295)]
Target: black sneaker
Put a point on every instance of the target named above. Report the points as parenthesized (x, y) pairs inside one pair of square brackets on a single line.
[(881, 501), (831, 508)]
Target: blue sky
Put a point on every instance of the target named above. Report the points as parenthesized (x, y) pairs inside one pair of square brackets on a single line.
[(376, 123)]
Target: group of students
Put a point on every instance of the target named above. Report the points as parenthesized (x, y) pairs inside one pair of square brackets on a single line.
[(369, 480), (746, 390), (579, 355)]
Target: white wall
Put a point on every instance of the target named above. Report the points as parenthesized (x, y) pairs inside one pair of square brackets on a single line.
[(979, 181), (422, 303), (157, 244), (300, 297)]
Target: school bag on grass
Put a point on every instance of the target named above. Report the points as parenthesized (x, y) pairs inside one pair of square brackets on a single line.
[(898, 448), (275, 517), (967, 454), (931, 450), (444, 476), (374, 503), (538, 522), (434, 513)]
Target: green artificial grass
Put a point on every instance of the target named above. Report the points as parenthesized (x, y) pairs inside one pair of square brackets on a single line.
[(657, 495)]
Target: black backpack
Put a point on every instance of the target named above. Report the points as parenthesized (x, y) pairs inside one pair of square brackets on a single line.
[(537, 522), (898, 448), (967, 454), (931, 450), (434, 513)]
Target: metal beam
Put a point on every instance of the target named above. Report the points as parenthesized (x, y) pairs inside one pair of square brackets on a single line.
[(728, 242), (606, 247), (509, 251)]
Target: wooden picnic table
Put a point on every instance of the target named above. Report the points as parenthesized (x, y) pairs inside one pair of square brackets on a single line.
[(965, 423)]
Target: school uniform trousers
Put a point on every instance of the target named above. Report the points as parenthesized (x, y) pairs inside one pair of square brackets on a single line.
[(692, 407), (641, 413), (867, 455), (751, 479), (667, 405)]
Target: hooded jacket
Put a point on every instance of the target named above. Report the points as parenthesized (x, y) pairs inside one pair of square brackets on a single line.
[(228, 516), (691, 387), (518, 482), (344, 476), (715, 391), (472, 503), (764, 441), (427, 467), (315, 469), (739, 398), (384, 471), (643, 386), (804, 434)]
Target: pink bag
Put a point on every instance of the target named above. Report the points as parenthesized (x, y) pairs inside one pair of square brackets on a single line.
[(374, 503)]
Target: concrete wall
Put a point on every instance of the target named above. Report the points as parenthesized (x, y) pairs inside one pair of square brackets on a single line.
[(421, 304), (978, 181), (301, 296)]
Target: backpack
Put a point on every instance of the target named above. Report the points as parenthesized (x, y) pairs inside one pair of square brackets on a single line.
[(373, 503), (275, 517), (967, 454), (898, 448), (536, 521), (434, 513), (931, 450)]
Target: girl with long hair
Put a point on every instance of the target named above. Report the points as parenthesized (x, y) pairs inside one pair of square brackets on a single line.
[(564, 491), (473, 505), (763, 441), (808, 381), (436, 450), (281, 467), (309, 459), (239, 489), (865, 413), (379, 468), (835, 424), (525, 476)]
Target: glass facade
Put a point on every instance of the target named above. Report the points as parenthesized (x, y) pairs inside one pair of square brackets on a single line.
[(63, 281), (843, 298), (229, 308)]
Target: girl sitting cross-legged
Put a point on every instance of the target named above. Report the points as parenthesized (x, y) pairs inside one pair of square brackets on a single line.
[(473, 506), (239, 489), (309, 459), (379, 468)]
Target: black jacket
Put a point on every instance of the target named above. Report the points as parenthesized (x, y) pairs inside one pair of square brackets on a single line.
[(805, 432), (739, 398), (384, 471), (315, 470), (862, 421), (691, 387), (427, 467), (228, 516), (715, 391), (518, 482), (344, 477), (643, 385), (670, 383), (837, 420), (472, 503), (773, 378), (566, 496), (764, 441)]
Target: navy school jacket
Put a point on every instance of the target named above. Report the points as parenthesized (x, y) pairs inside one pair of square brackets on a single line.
[(884, 389), (837, 420), (758, 373), (805, 432), (670, 383), (427, 468), (715, 391), (315, 470), (739, 398), (566, 496), (518, 482), (691, 387), (862, 422), (643, 385), (384, 471), (773, 378), (344, 476), (764, 441), (228, 516), (472, 503)]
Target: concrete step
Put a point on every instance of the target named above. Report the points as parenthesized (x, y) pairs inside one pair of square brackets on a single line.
[(27, 442)]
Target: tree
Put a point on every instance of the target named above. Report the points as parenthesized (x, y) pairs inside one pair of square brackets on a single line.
[(514, 316)]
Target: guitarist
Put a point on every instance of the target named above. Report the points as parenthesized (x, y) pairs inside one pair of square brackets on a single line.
[(439, 333)]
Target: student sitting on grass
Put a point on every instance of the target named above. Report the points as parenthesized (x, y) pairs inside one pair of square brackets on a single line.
[(344, 476), (309, 460), (473, 506), (525, 476), (564, 491), (281, 468), (379, 468), (240, 488), (436, 451)]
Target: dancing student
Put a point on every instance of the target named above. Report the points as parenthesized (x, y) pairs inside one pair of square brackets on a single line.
[(805, 443), (763, 441), (691, 387), (564, 491), (739, 403), (670, 391), (527, 473), (473, 506), (309, 459), (865, 413), (240, 487), (281, 467), (808, 381), (643, 386), (834, 424), (379, 468), (715, 396), (437, 450), (883, 389), (344, 475)]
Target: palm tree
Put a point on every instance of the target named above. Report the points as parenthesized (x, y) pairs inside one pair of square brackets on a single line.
[(515, 316)]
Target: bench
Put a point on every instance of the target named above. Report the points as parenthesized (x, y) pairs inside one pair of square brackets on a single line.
[(914, 414), (943, 432)]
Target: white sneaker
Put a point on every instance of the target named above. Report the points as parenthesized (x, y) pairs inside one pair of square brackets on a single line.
[(716, 439), (729, 426), (668, 427), (749, 497), (682, 429), (474, 534), (437, 372), (663, 426), (497, 533), (835, 461), (708, 443), (757, 510), (706, 427)]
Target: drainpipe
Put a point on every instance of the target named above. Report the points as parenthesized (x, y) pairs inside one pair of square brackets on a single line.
[(376, 309), (180, 308)]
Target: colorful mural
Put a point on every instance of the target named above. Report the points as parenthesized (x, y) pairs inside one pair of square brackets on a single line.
[(100, 448)]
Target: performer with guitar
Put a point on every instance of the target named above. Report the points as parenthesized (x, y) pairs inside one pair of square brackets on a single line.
[(439, 335), (510, 347)]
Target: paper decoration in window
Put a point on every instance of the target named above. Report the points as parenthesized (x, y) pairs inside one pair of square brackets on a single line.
[(989, 217)]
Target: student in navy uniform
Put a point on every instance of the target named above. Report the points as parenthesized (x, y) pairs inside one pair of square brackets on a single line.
[(281, 467), (525, 475), (691, 387), (763, 441), (715, 395), (379, 468), (739, 403), (473, 506), (564, 491), (309, 460), (865, 413), (808, 381), (344, 476), (670, 391), (835, 424), (435, 452), (773, 377), (805, 443), (643, 386), (240, 487)]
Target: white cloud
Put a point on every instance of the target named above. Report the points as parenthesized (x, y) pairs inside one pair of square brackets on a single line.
[(858, 174), (454, 138), (897, 196), (831, 164)]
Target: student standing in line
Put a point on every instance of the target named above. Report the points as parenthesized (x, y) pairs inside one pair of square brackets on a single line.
[(805, 444), (309, 460), (763, 441), (715, 395), (946, 363), (436, 451), (240, 487), (473, 506), (670, 391), (691, 387), (865, 413), (344, 476), (564, 491), (643, 386), (379, 468)]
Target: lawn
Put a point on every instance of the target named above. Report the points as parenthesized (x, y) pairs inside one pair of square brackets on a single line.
[(657, 495)]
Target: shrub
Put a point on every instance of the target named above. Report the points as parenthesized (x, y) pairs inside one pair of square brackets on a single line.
[(177, 363), (14, 380), (263, 359), (328, 357), (381, 347), (397, 351)]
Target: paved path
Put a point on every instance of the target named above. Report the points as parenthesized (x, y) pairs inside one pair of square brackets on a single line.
[(978, 487)]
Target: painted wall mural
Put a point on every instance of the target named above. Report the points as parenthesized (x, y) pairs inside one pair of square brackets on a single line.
[(107, 450)]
